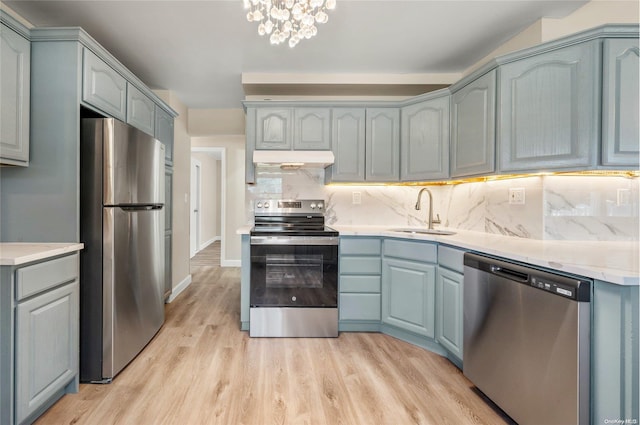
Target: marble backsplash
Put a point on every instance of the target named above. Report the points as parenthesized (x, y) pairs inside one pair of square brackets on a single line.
[(556, 207)]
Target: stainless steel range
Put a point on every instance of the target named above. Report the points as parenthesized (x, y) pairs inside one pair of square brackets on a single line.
[(294, 271)]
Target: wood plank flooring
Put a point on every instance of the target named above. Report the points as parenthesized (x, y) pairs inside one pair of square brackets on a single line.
[(201, 369), (209, 256)]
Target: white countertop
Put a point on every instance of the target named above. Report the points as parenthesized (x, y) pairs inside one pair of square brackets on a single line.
[(17, 253), (609, 261), (615, 262)]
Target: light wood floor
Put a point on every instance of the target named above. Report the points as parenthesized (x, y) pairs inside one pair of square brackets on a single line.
[(201, 369), (210, 256)]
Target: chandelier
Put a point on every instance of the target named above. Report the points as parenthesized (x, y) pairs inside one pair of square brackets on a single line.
[(288, 19)]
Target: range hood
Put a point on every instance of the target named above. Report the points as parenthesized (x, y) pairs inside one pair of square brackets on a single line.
[(293, 159)]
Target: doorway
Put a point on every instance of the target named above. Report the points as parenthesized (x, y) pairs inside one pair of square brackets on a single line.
[(195, 225), (208, 181)]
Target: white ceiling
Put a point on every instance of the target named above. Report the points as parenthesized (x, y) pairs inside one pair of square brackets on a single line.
[(200, 49)]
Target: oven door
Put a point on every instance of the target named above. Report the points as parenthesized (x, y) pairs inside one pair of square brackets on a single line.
[(294, 271)]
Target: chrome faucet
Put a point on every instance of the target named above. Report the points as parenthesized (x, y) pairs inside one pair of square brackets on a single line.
[(430, 217)]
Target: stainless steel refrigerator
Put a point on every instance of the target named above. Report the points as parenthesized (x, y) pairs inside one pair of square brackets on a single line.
[(122, 227)]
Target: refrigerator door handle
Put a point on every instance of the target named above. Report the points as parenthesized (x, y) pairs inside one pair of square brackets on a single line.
[(142, 207)]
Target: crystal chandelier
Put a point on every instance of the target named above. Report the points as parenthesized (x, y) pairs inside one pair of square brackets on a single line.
[(288, 19)]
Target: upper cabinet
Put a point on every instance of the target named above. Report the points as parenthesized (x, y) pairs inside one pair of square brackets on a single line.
[(549, 110), (382, 143), (15, 53), (102, 87), (348, 144), (366, 145), (620, 110), (311, 129), (274, 128), (164, 133), (140, 110), (292, 128), (424, 140), (566, 105), (473, 109)]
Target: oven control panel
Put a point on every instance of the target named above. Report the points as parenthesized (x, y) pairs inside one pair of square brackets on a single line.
[(288, 206)]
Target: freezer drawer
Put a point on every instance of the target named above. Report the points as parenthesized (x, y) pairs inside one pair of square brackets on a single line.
[(133, 276)]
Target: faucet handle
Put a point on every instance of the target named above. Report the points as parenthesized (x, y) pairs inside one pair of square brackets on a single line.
[(437, 219)]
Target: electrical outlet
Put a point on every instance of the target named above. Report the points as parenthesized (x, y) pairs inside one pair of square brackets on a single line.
[(516, 196), (623, 197), (356, 198)]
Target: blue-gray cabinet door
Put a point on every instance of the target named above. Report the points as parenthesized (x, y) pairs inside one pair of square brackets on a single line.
[(473, 127), (549, 110), (141, 111), (620, 111), (382, 145), (449, 310), (347, 144), (46, 347), (164, 133), (168, 255), (102, 87), (312, 129), (15, 53), (408, 296), (168, 198), (274, 129), (424, 140), (615, 352)]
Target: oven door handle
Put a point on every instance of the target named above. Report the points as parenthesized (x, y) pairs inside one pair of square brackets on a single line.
[(295, 240)]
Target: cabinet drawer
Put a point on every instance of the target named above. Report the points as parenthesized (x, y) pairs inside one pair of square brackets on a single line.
[(451, 258), (360, 246), (42, 276), (360, 284), (418, 251), (359, 307), (360, 265)]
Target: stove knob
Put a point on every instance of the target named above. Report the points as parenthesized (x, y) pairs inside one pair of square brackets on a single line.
[(320, 205), (313, 206), (259, 205), (266, 205), (293, 298)]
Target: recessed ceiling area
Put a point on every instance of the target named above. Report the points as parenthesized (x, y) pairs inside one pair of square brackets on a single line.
[(210, 56)]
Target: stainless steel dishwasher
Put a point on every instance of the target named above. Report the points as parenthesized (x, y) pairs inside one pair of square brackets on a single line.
[(526, 340)]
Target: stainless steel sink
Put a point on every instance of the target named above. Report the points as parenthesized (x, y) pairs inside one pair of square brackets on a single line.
[(423, 231)]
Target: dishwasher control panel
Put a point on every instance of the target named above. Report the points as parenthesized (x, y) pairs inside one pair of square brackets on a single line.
[(543, 284)]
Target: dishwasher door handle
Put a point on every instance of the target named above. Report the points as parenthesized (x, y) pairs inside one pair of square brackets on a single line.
[(509, 274)]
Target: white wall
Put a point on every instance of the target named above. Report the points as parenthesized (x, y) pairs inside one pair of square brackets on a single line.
[(234, 202), (209, 198), (592, 14)]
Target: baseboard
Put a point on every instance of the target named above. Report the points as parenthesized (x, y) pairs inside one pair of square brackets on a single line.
[(209, 242), (230, 263), (179, 288)]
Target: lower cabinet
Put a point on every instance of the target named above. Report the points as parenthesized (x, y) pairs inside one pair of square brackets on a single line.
[(449, 311), (615, 369), (46, 347), (449, 301), (408, 294), (39, 312)]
